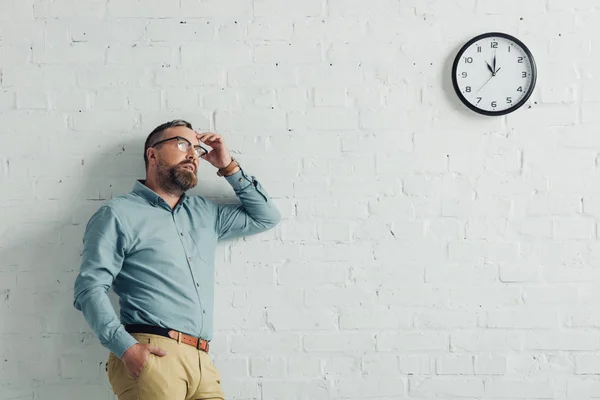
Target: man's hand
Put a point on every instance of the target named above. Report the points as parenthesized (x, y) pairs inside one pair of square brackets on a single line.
[(136, 357), (219, 157)]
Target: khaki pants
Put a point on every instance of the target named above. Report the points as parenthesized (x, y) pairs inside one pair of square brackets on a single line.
[(185, 373)]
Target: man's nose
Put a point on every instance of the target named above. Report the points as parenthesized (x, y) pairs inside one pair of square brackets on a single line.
[(191, 154)]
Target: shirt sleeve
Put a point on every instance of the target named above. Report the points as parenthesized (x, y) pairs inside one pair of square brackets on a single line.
[(104, 248), (256, 213)]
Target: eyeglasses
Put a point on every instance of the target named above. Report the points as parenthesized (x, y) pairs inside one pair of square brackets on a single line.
[(184, 145)]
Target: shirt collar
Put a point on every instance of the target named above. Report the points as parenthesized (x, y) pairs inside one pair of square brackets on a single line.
[(150, 195)]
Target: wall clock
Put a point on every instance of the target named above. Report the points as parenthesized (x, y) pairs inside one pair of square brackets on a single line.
[(494, 74)]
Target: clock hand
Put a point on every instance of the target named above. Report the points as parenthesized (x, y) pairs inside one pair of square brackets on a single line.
[(495, 63), (485, 84), (490, 67)]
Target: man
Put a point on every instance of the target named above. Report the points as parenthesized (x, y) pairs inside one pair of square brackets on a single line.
[(156, 246)]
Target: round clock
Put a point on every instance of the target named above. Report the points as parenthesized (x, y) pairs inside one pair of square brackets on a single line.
[(494, 74)]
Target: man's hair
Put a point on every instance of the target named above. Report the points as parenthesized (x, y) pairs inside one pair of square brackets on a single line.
[(157, 134)]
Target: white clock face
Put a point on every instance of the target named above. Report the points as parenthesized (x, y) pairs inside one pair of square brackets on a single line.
[(494, 74)]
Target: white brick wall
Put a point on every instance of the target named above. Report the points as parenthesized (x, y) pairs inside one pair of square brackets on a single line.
[(425, 253)]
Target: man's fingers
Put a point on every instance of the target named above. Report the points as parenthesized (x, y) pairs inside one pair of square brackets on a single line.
[(157, 350), (204, 134), (211, 138), (208, 136)]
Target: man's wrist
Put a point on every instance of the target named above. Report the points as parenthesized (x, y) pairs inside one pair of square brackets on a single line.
[(235, 171), (225, 166), (230, 169)]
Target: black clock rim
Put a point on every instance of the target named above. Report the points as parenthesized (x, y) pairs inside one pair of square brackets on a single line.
[(510, 109)]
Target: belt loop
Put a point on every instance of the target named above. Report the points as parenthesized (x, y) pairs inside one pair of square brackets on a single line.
[(178, 337)]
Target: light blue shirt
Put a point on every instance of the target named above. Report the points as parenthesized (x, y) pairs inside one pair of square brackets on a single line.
[(160, 261)]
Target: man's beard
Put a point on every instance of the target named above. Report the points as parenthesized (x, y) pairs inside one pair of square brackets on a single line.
[(176, 179)]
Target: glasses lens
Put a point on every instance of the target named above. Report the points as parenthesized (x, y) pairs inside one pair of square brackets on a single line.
[(183, 146), (199, 151)]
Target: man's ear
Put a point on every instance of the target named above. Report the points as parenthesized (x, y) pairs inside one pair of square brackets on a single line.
[(151, 154)]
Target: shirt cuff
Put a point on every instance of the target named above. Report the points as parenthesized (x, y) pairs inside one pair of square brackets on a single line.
[(239, 180), (121, 342)]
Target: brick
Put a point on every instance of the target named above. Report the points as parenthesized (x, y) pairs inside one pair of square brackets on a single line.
[(571, 341), (304, 366), (490, 365), (111, 76), (104, 120), (360, 9), (375, 319), (583, 388), (272, 367), (296, 274), (381, 365), (310, 319), (270, 29), (317, 389), (290, 52), (513, 388), (264, 343), (587, 364), (370, 387), (217, 9), (155, 55), (15, 56), (176, 31), (15, 10), (232, 366), (446, 319), (445, 386), (416, 365), (455, 365), (139, 9), (338, 342), (277, 9), (523, 319), (226, 53), (342, 365), (485, 340), (47, 76), (408, 341), (324, 118), (75, 53), (65, 9)]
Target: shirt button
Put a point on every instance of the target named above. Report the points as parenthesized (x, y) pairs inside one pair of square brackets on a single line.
[(181, 233), (203, 312), (190, 258), (197, 285)]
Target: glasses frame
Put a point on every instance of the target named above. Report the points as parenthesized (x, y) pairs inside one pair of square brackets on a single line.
[(198, 148)]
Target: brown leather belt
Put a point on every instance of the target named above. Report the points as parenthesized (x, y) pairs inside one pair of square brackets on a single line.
[(193, 341)]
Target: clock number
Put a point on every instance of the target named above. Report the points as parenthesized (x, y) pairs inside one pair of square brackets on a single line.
[(494, 104), (464, 74), (509, 100), (479, 100), (469, 60), (521, 60), (479, 49), (494, 45), (524, 75), (468, 89), (520, 89), (509, 47)]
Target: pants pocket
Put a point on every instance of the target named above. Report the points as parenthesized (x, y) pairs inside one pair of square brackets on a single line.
[(119, 377)]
